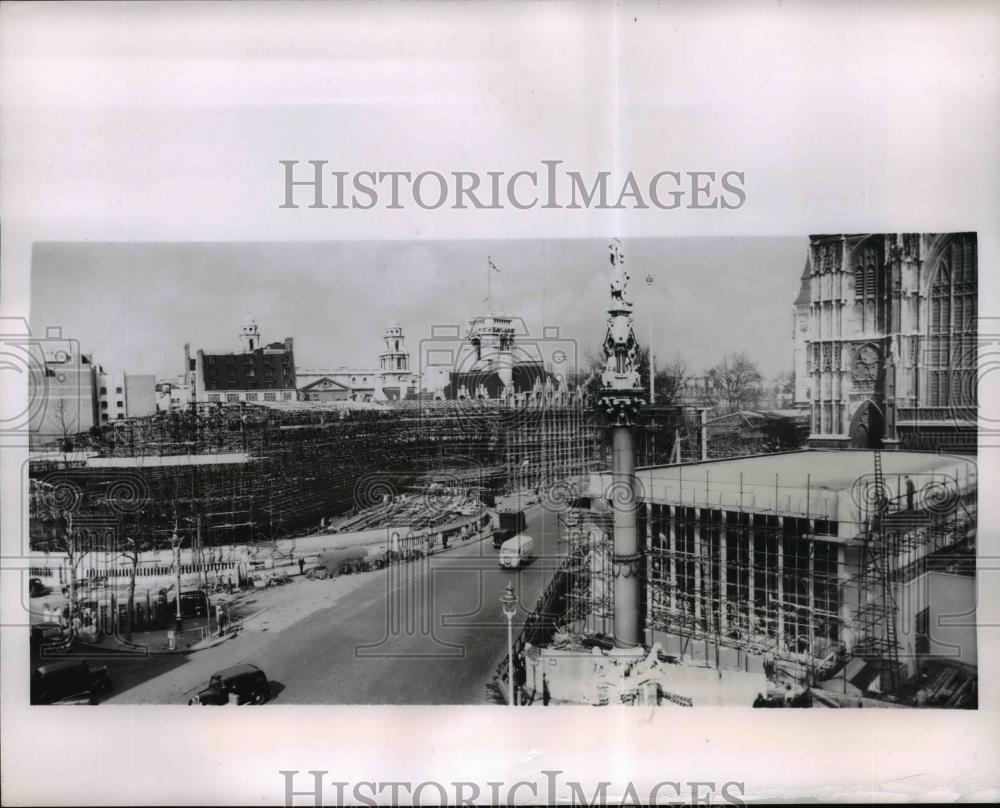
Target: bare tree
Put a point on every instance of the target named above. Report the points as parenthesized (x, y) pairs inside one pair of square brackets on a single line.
[(66, 424), (738, 379), (131, 554), (670, 379), (69, 542)]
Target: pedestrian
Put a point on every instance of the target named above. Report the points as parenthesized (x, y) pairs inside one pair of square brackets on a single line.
[(65, 616), (302, 565), (911, 491), (46, 613), (230, 589), (77, 625)]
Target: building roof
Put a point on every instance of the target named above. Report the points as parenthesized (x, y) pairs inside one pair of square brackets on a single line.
[(805, 286), (325, 383), (337, 371), (828, 484)]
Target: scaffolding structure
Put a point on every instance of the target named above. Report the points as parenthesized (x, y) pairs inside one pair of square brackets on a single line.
[(590, 588), (876, 615), (739, 576), (256, 473)]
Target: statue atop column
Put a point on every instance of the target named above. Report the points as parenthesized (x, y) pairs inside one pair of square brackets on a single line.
[(622, 392), (620, 399), (620, 278)]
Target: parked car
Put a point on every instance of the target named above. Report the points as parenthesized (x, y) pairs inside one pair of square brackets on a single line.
[(247, 682), (598, 640), (68, 680), (43, 634), (36, 588)]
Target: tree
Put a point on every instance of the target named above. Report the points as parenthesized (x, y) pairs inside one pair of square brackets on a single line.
[(738, 379), (131, 553), (66, 424), (669, 379), (590, 375), (57, 523)]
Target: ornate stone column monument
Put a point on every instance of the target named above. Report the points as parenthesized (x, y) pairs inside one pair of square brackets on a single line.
[(620, 399)]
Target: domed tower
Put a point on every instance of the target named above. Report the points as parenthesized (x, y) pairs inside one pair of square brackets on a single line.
[(249, 335), (489, 346), (394, 366), (395, 358)]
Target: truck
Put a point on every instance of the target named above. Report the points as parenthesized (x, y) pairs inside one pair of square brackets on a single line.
[(510, 524), (352, 559), (517, 551)]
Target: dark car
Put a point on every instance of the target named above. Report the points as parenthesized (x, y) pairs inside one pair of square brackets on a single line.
[(597, 641), (246, 681), (43, 634), (69, 680), (36, 588)]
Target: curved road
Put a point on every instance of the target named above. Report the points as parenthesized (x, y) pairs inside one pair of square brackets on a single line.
[(426, 632)]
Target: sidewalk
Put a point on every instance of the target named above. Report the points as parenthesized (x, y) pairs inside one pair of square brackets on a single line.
[(275, 608)]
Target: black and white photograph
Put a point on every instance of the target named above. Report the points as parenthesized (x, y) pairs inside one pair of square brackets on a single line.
[(501, 403), (778, 513)]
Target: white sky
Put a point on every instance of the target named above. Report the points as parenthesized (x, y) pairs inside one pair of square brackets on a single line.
[(135, 305)]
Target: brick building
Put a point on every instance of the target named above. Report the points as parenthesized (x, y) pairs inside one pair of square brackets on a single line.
[(255, 373)]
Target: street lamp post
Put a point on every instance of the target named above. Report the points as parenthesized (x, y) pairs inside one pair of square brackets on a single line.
[(509, 603), (175, 544), (532, 654)]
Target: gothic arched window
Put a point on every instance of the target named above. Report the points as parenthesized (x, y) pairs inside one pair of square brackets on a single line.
[(951, 326), (869, 283)]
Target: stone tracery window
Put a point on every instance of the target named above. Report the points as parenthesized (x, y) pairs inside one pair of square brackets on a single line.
[(869, 283), (951, 338)]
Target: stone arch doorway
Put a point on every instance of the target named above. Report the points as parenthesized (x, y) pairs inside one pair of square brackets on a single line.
[(867, 427)]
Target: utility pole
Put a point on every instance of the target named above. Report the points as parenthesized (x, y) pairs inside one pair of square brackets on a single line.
[(175, 543), (508, 602), (204, 573), (652, 356)]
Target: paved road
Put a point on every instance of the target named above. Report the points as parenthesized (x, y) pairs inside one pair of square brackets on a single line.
[(426, 632), (429, 632)]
